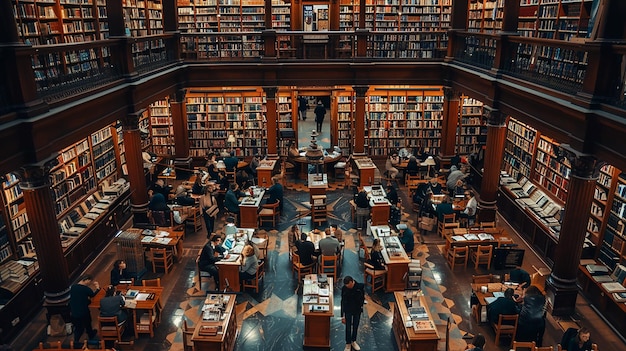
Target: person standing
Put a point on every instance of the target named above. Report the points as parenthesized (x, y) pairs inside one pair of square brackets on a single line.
[(80, 298), (320, 112), (390, 165), (302, 107), (352, 300), (210, 209)]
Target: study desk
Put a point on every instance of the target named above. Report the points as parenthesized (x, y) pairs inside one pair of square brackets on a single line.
[(220, 334), (366, 169), (396, 259), (317, 319), (249, 208), (265, 171), (485, 293), (146, 312), (165, 237), (380, 207), (408, 337), (229, 272), (500, 237), (240, 165), (317, 183)]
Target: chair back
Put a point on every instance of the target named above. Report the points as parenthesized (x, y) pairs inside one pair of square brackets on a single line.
[(507, 325), (52, 346), (161, 259), (523, 345), (484, 225), (161, 218), (152, 282), (363, 245), (109, 329), (187, 334), (125, 345), (255, 283), (449, 218), (543, 348), (328, 265), (458, 255)]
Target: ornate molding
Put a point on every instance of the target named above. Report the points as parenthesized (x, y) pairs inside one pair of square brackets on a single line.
[(450, 94), (130, 121), (493, 117), (584, 166), (361, 90), (270, 92), (37, 175)]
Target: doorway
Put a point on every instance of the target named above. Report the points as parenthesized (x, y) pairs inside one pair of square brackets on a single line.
[(315, 17), (306, 120)]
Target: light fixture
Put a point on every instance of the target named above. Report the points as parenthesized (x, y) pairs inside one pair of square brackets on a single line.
[(231, 140), (430, 161)]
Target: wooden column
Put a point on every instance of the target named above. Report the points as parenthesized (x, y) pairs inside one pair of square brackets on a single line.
[(449, 126), (134, 162), (458, 23), (272, 121), (561, 289), (182, 160), (40, 206), (359, 119), (496, 135), (170, 16), (510, 18), (121, 54)]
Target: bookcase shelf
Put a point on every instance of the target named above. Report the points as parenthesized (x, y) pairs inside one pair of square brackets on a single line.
[(16, 209), (613, 249), (472, 132), (485, 15), (555, 19), (345, 117), (603, 195), (551, 171), (519, 149), (162, 128)]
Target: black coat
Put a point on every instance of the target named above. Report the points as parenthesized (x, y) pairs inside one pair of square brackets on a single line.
[(352, 299)]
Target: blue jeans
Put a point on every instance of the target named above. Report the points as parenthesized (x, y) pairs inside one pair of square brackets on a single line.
[(352, 326)]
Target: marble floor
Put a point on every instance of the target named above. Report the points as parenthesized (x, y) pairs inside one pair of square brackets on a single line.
[(272, 319)]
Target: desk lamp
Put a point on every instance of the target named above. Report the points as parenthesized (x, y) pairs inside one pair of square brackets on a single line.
[(430, 161), (231, 141)]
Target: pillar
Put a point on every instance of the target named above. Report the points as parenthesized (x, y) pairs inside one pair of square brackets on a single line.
[(359, 120), (496, 135), (182, 160), (561, 289), (134, 162), (272, 122), (449, 126), (40, 206), (458, 23)]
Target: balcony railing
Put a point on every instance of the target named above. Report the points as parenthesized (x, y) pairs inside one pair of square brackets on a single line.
[(63, 70)]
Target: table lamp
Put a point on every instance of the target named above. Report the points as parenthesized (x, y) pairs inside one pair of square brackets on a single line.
[(430, 161), (231, 140)]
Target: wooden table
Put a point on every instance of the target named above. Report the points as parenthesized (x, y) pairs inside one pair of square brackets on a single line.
[(380, 207), (265, 171), (175, 243), (152, 307), (396, 259), (303, 162), (229, 273), (483, 296), (240, 165), (226, 328), (249, 208), (366, 169), (317, 183), (406, 336), (317, 323), (500, 237)]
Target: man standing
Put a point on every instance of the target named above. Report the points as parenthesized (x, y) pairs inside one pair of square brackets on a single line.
[(80, 298), (352, 299), (320, 112), (302, 107)]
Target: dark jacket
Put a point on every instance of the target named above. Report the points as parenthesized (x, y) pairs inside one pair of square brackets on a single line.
[(352, 299), (112, 306), (117, 276), (412, 167), (519, 275), (407, 240), (392, 196), (306, 251), (231, 202), (320, 112), (231, 163), (361, 200), (80, 298), (276, 193), (573, 345), (533, 308), (377, 260), (207, 256), (444, 208), (501, 305)]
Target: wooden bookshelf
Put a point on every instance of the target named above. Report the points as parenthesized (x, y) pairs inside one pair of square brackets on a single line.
[(603, 195), (146, 132), (613, 248), (346, 109), (519, 149), (485, 15), (401, 117), (472, 132), (13, 199), (5, 245), (120, 149), (143, 17), (555, 19), (162, 128), (551, 170)]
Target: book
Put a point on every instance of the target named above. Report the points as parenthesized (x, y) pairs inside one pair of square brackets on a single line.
[(418, 312), (619, 296), (597, 269), (423, 326), (319, 308)]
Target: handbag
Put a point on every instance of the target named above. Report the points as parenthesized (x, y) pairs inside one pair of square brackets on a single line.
[(427, 223), (212, 210)]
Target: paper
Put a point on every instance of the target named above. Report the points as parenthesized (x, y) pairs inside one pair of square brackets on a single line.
[(142, 297)]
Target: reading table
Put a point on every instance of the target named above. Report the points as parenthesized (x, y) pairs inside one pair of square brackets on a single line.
[(317, 308)]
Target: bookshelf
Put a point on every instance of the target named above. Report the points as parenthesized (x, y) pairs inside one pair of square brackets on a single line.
[(162, 127), (16, 209), (485, 15), (399, 117), (146, 132), (120, 149), (472, 132), (613, 248), (603, 195), (519, 149), (5, 245), (555, 19), (103, 151), (143, 17), (346, 109), (551, 170), (287, 109)]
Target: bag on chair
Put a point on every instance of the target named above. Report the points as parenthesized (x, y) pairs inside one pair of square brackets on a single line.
[(427, 223)]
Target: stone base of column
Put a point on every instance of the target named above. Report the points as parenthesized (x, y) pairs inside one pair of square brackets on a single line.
[(140, 213), (561, 297), (57, 304), (183, 167)]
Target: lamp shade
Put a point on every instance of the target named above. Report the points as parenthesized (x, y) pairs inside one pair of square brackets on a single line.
[(231, 139), (430, 161)]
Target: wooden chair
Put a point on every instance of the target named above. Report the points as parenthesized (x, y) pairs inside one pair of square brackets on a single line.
[(507, 325), (254, 283), (231, 175), (269, 213), (448, 222), (363, 246), (594, 347), (262, 246), (161, 259), (196, 219), (161, 218), (458, 255), (484, 225), (300, 268), (482, 255), (110, 329), (328, 265), (125, 345), (152, 282), (543, 348), (51, 346), (187, 334), (201, 274), (523, 345), (377, 277), (411, 182)]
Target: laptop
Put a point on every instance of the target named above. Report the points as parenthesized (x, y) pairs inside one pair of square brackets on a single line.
[(229, 244)]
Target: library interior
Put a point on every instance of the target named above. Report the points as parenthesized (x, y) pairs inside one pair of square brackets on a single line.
[(214, 175)]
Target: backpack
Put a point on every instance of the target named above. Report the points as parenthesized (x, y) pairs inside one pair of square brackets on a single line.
[(569, 334)]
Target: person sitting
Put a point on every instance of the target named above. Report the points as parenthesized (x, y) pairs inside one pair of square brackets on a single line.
[(182, 198), (502, 305), (160, 210), (390, 165), (361, 200), (329, 246), (160, 188), (211, 166), (293, 150), (119, 273), (406, 238), (306, 250), (470, 207), (392, 194), (404, 153), (520, 276), (454, 176), (336, 232), (112, 303), (413, 166), (223, 181), (376, 256), (276, 193), (249, 264), (293, 235), (435, 187), (209, 256), (581, 341), (231, 199), (198, 188), (445, 207), (231, 162), (428, 208), (244, 179), (459, 188), (477, 344)]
